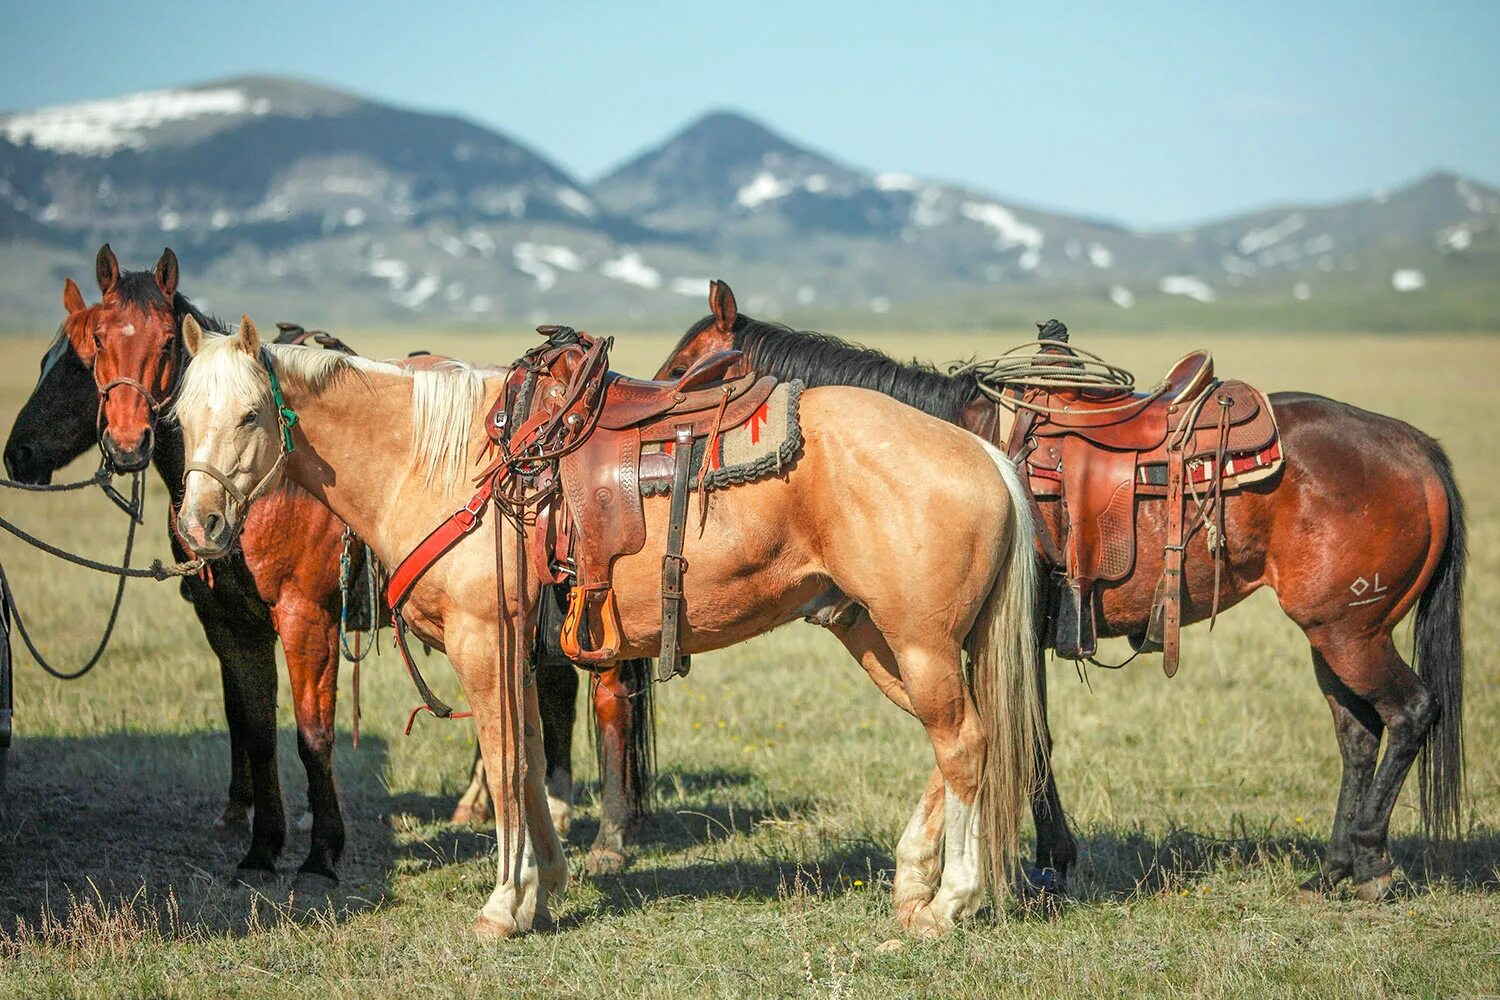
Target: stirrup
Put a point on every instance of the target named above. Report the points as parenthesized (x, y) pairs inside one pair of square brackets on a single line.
[(573, 623)]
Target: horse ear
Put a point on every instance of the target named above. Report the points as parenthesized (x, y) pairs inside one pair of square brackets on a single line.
[(192, 335), (106, 269), (166, 274), (73, 298), (79, 328), (721, 302), (249, 338)]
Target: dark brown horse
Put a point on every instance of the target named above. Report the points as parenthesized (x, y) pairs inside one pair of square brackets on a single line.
[(1364, 523), (116, 371)]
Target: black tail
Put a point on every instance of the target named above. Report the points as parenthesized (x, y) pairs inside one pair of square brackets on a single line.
[(640, 763), (1440, 662)]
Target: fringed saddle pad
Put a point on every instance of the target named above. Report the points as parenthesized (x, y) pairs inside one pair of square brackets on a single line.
[(761, 446)]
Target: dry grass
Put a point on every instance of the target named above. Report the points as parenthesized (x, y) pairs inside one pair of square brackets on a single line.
[(1200, 802)]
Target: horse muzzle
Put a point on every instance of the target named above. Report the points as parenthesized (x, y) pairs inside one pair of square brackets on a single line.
[(132, 459), (209, 537)]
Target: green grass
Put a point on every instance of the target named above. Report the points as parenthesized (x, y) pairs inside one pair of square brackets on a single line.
[(1199, 802)]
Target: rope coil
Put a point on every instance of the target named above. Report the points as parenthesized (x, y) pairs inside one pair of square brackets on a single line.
[(1049, 365)]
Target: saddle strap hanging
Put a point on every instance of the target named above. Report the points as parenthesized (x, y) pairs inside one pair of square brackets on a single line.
[(1171, 579), (671, 661)]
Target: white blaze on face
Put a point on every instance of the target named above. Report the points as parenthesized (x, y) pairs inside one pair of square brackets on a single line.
[(128, 329)]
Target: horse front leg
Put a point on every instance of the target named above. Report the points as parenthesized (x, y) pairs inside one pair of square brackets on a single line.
[(310, 638), (557, 700), (615, 694)]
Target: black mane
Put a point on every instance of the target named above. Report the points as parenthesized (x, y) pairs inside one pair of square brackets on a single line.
[(818, 359), (140, 288)]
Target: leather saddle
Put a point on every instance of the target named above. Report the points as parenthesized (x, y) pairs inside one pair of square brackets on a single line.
[(595, 514), (1096, 452)]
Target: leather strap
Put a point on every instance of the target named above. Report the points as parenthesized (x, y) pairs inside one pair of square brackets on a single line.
[(433, 547), (673, 565), (1171, 580)]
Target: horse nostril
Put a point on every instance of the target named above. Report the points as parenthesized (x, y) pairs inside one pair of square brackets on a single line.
[(18, 461), (215, 527)]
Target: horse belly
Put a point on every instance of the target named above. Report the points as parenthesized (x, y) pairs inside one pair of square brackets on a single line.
[(748, 571)]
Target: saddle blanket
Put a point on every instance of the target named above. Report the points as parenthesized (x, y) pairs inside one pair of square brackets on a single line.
[(759, 447)]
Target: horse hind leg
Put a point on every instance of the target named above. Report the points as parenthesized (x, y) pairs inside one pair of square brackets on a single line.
[(934, 682), (1372, 669), (919, 858), (1056, 848), (1357, 726)]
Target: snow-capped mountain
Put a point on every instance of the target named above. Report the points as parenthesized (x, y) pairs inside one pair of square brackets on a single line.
[(300, 200)]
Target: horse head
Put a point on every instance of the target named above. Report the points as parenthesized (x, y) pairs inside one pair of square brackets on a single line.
[(56, 424), (711, 334), (132, 344)]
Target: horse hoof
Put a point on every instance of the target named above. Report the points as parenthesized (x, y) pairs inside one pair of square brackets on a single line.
[(486, 929), (562, 816), (923, 922), (251, 878), (1045, 887), (605, 861), (1380, 889)]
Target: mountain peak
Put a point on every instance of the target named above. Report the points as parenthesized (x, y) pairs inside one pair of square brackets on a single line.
[(720, 159)]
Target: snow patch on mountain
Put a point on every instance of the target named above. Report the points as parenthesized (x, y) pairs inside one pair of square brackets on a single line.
[(1259, 239), (100, 128), (897, 182), (1408, 279), (1186, 284), (765, 187), (1009, 231)]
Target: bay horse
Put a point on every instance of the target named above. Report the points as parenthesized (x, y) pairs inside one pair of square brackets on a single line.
[(105, 381), (1361, 494), (390, 450)]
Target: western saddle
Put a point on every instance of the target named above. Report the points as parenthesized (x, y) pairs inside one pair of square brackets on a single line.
[(568, 437), (1190, 439)]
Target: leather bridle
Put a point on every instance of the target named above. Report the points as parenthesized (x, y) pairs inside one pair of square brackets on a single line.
[(154, 406)]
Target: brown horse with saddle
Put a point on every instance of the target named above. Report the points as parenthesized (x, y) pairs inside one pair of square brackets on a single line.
[(1164, 507)]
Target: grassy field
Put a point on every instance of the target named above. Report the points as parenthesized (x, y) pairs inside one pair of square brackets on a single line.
[(786, 778)]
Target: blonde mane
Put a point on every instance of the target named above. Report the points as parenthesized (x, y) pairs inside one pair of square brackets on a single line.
[(445, 397)]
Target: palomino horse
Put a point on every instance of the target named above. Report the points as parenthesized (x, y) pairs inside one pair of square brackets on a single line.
[(110, 375), (389, 452), (1362, 497)]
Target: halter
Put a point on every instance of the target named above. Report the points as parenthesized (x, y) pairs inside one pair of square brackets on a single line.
[(286, 419), (154, 406)]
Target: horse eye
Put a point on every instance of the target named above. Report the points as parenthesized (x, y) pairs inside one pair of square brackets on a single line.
[(247, 419), (678, 371), (166, 348)]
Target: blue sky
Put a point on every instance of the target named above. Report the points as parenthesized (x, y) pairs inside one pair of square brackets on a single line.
[(1149, 113)]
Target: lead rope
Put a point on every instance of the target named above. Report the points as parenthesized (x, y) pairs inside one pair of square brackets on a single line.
[(124, 572), (360, 651)]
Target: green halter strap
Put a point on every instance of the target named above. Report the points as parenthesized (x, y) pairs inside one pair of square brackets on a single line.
[(285, 415)]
